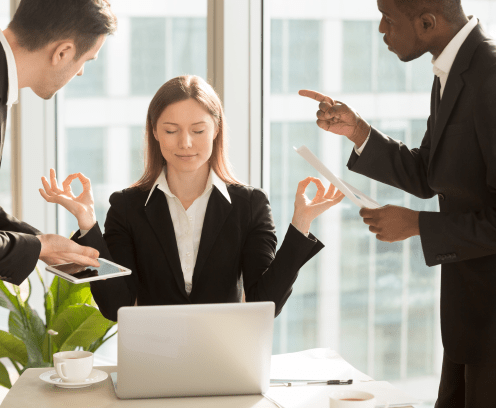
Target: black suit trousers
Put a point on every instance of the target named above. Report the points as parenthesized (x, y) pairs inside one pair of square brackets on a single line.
[(467, 385)]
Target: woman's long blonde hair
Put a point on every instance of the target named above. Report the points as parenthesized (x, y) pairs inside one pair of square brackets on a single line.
[(176, 90)]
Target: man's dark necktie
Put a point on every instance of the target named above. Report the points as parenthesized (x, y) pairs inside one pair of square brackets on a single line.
[(437, 98)]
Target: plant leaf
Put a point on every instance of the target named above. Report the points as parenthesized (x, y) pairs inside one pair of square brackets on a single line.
[(59, 289), (77, 294), (49, 308), (7, 299), (32, 335), (79, 326), (97, 343), (4, 377), (16, 325), (12, 347)]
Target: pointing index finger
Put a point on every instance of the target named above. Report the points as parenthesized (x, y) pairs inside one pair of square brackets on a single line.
[(315, 95)]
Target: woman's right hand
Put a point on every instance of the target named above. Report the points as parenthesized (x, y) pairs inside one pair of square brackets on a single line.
[(82, 206)]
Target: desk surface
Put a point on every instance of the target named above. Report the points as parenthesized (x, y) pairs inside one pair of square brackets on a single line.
[(31, 392)]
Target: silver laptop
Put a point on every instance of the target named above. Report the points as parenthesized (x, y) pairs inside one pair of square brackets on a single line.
[(194, 350)]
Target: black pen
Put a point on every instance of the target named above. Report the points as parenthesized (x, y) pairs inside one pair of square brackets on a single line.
[(328, 382)]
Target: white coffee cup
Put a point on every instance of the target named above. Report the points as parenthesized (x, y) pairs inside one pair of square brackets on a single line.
[(351, 399), (73, 366)]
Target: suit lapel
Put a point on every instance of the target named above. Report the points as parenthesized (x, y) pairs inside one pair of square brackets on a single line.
[(454, 85), (218, 209), (158, 214), (4, 86)]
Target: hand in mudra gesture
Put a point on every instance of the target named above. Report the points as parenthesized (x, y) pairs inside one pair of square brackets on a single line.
[(82, 206), (306, 209)]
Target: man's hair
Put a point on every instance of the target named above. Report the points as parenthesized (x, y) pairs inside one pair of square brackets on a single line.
[(38, 23), (449, 9)]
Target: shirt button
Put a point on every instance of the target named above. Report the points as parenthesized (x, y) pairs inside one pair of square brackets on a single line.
[(190, 218), (441, 196), (188, 253)]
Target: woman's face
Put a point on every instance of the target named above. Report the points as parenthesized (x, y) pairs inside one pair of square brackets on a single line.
[(186, 132)]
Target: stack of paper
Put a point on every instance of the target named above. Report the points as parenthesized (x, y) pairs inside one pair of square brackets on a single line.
[(317, 396), (325, 364), (314, 364)]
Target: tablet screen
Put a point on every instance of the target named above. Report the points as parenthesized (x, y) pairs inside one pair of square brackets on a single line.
[(81, 272)]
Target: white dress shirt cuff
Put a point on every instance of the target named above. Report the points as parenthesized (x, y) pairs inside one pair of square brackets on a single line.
[(83, 233), (360, 150)]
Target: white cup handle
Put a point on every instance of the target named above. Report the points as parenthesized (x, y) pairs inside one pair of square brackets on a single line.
[(60, 372)]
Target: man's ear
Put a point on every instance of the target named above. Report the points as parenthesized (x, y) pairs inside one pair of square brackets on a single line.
[(63, 53), (427, 22)]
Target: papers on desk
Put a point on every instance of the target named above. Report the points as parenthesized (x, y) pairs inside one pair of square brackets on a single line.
[(317, 396), (314, 364), (355, 195), (325, 364)]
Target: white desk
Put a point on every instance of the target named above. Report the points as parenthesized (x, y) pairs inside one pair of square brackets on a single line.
[(31, 392)]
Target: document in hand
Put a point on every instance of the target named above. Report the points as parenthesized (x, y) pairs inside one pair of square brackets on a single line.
[(355, 195)]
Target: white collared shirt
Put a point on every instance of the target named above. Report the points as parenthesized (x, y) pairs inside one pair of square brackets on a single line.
[(13, 91), (442, 65), (188, 224)]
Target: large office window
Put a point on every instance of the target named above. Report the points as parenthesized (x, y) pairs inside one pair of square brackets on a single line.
[(5, 172), (377, 303), (374, 302), (102, 114)]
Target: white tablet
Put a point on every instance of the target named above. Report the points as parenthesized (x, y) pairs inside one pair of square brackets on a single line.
[(355, 195), (79, 274)]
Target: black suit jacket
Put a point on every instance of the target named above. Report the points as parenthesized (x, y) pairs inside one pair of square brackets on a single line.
[(19, 248), (456, 161), (238, 244)]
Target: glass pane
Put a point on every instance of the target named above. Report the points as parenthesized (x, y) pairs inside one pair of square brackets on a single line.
[(5, 172), (374, 302), (303, 52), (102, 114), (148, 49), (357, 56), (391, 71)]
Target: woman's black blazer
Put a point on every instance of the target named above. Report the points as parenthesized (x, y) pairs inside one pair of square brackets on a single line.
[(238, 244)]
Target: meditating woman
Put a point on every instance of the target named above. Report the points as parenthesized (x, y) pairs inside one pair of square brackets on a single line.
[(188, 230)]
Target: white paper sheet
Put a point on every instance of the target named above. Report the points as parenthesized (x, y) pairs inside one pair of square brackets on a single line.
[(355, 195), (314, 364), (317, 396)]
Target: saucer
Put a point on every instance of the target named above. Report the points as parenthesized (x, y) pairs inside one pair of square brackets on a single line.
[(51, 377)]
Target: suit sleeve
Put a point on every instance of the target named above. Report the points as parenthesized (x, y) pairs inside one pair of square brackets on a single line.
[(268, 276), (19, 249), (391, 162), (459, 236), (116, 245)]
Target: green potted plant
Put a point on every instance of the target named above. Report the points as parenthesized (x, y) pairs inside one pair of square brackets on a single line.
[(72, 321)]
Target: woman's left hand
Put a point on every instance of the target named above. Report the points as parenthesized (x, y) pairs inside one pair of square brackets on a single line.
[(307, 210)]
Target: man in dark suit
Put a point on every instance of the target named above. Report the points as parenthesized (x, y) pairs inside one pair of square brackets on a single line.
[(46, 44), (457, 162)]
